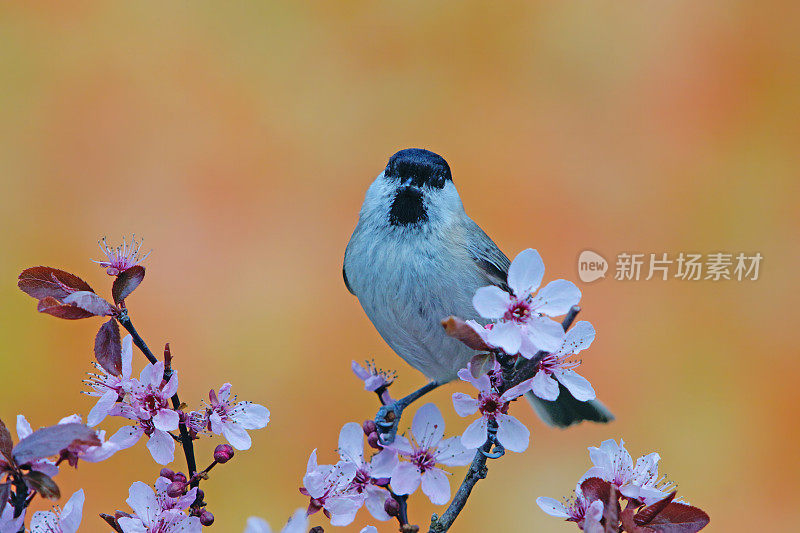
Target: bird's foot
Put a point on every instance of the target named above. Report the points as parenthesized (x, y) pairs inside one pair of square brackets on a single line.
[(387, 420)]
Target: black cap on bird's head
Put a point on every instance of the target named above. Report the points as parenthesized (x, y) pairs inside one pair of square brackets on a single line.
[(419, 167)]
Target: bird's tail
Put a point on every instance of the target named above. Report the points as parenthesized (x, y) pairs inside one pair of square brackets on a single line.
[(566, 410)]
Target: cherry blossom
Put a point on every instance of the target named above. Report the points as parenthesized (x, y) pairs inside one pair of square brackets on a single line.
[(579, 509), (84, 452), (230, 419), (156, 512), (493, 407), (373, 378), (148, 404), (108, 387), (330, 490), (66, 520), (424, 451), (557, 366), (298, 523), (122, 257), (520, 318), (639, 481), (380, 467)]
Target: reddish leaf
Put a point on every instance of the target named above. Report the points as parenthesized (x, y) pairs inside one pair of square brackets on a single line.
[(126, 282), (595, 488), (679, 518), (50, 440), (43, 484), (6, 442), (646, 515), (112, 522), (481, 363), (5, 491), (51, 306), (91, 302), (108, 349), (41, 282), (460, 330), (630, 526)]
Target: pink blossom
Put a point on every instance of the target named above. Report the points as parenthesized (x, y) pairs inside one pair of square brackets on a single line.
[(587, 514), (373, 378), (380, 466), (108, 387), (493, 407), (234, 419), (155, 512), (330, 490), (65, 520), (369, 529), (90, 454), (298, 523), (424, 451), (122, 257), (614, 464), (557, 366), (520, 318), (148, 404)]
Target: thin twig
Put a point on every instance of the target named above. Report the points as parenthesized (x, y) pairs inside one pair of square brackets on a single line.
[(478, 469), (185, 438)]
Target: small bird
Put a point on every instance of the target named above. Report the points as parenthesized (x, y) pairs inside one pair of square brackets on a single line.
[(415, 257)]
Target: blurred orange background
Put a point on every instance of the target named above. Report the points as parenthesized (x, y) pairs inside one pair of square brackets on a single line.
[(238, 140)]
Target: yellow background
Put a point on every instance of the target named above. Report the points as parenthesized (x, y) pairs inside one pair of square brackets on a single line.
[(239, 138)]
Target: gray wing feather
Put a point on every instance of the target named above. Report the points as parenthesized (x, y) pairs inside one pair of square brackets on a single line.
[(488, 257)]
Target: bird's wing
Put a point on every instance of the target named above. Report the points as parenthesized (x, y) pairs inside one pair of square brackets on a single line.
[(492, 262), (347, 283)]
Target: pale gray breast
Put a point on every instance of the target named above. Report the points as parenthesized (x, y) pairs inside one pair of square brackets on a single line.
[(407, 284)]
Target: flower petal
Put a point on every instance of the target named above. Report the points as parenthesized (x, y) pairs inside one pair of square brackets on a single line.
[(161, 447), (436, 486), (166, 420), (102, 407), (452, 453), (512, 433), (428, 426), (556, 298), (545, 334), (552, 507), (578, 337), (131, 525), (491, 302), (526, 272), (23, 427), (464, 405), (250, 415), (126, 436), (351, 443), (376, 498), (576, 384), (507, 336), (236, 435), (257, 525), (298, 523), (405, 479), (383, 463), (142, 500), (475, 435), (544, 386), (72, 513)]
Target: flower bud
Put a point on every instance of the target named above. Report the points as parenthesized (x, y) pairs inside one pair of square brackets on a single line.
[(316, 529), (200, 495), (369, 427), (167, 473), (223, 453), (391, 507), (178, 476), (176, 489), (206, 518), (373, 440)]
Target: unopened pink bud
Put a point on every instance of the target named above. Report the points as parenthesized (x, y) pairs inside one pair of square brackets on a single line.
[(369, 427), (373, 440), (206, 518), (178, 476), (176, 489), (391, 507), (223, 453), (167, 473)]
